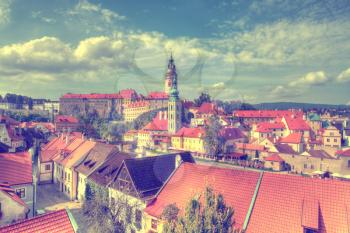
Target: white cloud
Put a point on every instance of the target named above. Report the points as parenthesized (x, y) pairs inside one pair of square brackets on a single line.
[(84, 6), (344, 76), (5, 11), (311, 79)]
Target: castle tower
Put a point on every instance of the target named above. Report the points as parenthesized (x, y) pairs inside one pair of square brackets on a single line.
[(170, 75), (174, 102)]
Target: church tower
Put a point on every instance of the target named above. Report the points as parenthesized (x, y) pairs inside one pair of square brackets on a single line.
[(174, 102), (170, 75)]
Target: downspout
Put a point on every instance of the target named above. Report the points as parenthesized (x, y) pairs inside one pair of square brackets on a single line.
[(252, 203)]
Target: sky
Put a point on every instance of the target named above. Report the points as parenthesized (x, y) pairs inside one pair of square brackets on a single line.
[(252, 51)]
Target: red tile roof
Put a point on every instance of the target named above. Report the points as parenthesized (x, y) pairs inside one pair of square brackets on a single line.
[(236, 186), (345, 152), (287, 202), (231, 133), (293, 138), (49, 126), (128, 93), (297, 123), (208, 108), (157, 95), (137, 104), (190, 132), (16, 168), (66, 119), (267, 113), (78, 154), (267, 127), (54, 222), (274, 158), (159, 123), (91, 96), (6, 189)]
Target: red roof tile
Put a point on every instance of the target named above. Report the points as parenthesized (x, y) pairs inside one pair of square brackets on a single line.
[(274, 158), (159, 123), (157, 95), (345, 152), (236, 186), (267, 127), (91, 96), (190, 132), (267, 113), (286, 202), (231, 133), (128, 94), (66, 119), (54, 222), (297, 123), (208, 108), (293, 138), (16, 168)]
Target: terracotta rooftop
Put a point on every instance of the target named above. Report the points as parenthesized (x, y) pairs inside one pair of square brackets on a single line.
[(16, 168), (231, 133), (274, 158), (159, 122), (66, 119), (157, 95), (267, 127), (237, 186), (345, 152), (190, 132), (91, 96), (293, 138), (267, 113), (297, 123), (54, 222), (290, 203)]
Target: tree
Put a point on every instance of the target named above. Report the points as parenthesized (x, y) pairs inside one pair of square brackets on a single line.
[(213, 140), (212, 216), (203, 98)]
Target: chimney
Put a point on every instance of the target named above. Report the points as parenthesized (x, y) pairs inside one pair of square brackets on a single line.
[(160, 115)]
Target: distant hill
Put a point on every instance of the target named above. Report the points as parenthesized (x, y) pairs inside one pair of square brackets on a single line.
[(305, 106)]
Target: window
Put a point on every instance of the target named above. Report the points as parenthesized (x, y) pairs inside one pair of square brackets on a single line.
[(47, 167), (328, 140), (348, 163), (312, 166), (305, 165), (154, 224), (138, 217), (335, 140), (21, 192)]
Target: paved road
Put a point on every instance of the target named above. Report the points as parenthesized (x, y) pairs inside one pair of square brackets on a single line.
[(49, 198)]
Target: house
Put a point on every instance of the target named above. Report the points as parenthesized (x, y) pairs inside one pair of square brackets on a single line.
[(56, 221), (264, 130), (65, 123), (189, 139), (250, 149), (65, 162), (331, 137), (294, 140), (12, 207), (92, 162), (274, 162), (296, 125), (10, 134), (16, 172), (48, 152), (231, 135), (139, 179), (291, 203), (151, 135), (204, 112), (190, 180)]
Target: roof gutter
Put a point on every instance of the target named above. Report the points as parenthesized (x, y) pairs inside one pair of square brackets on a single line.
[(252, 203)]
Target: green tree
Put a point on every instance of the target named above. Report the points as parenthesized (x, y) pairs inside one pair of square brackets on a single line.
[(203, 98), (213, 140), (212, 216)]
